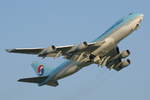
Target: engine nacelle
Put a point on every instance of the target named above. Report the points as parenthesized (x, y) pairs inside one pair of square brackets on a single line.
[(78, 47), (44, 52), (82, 45), (125, 54), (122, 65), (121, 55)]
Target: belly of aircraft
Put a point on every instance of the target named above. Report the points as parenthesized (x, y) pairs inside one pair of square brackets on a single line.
[(108, 45), (68, 70), (71, 69)]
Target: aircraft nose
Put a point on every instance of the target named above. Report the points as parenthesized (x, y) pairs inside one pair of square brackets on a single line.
[(142, 16)]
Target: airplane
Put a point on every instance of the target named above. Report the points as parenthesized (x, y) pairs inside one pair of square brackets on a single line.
[(103, 51)]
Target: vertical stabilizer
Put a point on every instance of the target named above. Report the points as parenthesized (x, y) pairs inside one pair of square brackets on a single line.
[(41, 69)]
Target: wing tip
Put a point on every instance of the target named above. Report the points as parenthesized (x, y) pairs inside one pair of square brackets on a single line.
[(9, 50), (20, 80)]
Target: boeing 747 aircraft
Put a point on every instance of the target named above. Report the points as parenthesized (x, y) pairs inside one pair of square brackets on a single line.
[(103, 51)]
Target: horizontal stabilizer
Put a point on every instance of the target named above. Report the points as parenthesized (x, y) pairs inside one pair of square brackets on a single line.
[(33, 79), (38, 80)]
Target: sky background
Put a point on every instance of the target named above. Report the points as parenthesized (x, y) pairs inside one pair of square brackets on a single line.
[(42, 23)]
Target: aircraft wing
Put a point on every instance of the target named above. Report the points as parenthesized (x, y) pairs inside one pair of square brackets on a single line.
[(57, 51)]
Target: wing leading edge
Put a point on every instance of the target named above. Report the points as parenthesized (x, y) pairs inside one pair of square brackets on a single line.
[(53, 51)]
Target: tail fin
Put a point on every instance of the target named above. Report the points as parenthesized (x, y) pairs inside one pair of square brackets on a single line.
[(41, 69)]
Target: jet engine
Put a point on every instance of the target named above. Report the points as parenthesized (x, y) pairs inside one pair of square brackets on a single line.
[(122, 65), (79, 47), (121, 55), (82, 45), (125, 54), (44, 52)]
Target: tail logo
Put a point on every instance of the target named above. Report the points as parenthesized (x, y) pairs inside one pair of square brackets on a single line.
[(40, 70)]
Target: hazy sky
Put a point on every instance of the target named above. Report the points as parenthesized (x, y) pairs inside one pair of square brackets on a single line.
[(41, 23)]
